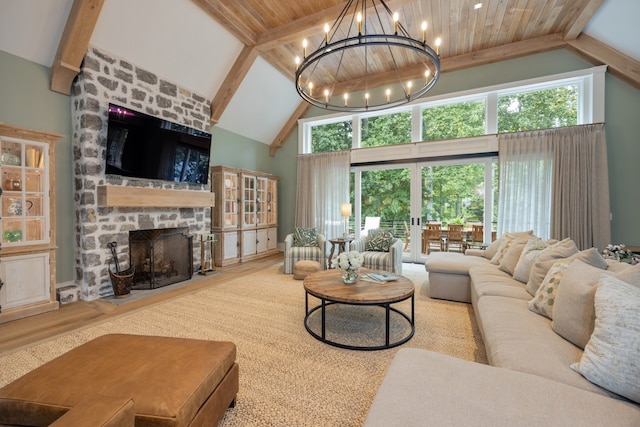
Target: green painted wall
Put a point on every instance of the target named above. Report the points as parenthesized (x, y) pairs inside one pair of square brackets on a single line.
[(26, 101)]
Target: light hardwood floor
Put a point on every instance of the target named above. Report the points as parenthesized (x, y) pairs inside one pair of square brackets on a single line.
[(78, 314)]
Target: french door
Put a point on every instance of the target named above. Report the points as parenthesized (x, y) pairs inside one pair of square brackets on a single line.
[(407, 196)]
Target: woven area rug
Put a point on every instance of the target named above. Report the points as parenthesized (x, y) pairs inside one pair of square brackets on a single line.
[(287, 377)]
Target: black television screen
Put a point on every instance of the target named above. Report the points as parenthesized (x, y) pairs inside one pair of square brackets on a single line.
[(143, 146)]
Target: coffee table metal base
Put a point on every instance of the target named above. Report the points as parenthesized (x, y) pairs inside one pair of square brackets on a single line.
[(388, 309)]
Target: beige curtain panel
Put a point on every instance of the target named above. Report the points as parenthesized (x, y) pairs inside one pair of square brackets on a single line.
[(323, 186), (555, 182)]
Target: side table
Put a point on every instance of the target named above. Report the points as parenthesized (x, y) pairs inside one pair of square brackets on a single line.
[(341, 242)]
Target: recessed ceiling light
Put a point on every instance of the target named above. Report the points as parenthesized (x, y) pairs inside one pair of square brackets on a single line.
[(477, 6)]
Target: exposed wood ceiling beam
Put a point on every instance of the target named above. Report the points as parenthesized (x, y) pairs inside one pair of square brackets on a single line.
[(232, 82), (229, 20), (73, 43), (618, 64), (291, 124), (582, 17)]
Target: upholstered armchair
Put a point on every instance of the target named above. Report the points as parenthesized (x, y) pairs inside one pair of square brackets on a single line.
[(381, 251), (304, 244)]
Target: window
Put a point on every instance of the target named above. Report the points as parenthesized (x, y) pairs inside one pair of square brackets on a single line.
[(540, 109), (454, 121), (390, 129), (331, 137)]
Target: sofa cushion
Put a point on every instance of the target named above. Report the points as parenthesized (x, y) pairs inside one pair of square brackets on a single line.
[(379, 240), (532, 249), (303, 236), (488, 279), (422, 387), (518, 339), (452, 262), (563, 249), (610, 358)]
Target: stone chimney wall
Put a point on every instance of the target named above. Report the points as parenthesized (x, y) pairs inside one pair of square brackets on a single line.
[(105, 78)]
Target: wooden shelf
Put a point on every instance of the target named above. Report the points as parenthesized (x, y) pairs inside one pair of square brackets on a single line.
[(131, 197)]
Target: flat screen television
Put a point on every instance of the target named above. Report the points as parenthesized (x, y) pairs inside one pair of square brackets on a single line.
[(143, 146)]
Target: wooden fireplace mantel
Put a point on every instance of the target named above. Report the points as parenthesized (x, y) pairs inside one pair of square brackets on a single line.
[(131, 197)]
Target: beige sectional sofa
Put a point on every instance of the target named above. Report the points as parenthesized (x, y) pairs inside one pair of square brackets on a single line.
[(531, 380)]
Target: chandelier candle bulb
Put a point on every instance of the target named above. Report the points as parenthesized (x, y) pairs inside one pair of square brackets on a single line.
[(311, 88), (438, 43), (326, 96), (424, 31), (304, 48), (388, 95), (396, 17), (409, 84), (297, 62), (426, 76), (359, 19), (346, 98), (326, 33), (366, 99)]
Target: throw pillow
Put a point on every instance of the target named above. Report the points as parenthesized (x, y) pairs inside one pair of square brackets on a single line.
[(534, 247), (574, 313), (543, 301), (303, 236), (505, 244), (380, 240), (563, 249), (511, 257), (492, 249), (610, 358)]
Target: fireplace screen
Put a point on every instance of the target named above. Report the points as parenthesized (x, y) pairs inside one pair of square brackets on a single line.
[(160, 256)]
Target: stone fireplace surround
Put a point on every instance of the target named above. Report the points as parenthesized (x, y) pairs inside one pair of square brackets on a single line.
[(106, 78)]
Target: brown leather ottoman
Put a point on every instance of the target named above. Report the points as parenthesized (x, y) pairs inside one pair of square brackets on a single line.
[(172, 381)]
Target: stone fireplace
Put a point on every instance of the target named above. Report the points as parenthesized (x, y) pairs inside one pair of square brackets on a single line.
[(105, 78)]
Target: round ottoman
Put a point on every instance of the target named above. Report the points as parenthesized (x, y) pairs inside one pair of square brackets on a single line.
[(304, 268)]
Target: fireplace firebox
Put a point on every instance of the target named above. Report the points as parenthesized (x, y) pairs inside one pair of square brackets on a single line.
[(160, 256)]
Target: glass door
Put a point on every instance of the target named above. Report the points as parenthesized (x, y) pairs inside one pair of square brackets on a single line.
[(407, 197)]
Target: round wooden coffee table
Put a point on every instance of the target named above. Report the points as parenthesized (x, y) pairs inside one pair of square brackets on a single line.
[(327, 286)]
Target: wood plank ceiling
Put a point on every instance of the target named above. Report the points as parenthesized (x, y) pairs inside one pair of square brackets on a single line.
[(499, 30)]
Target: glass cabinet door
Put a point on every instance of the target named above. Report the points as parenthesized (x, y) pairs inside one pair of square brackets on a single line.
[(230, 200), (24, 197), (249, 200), (261, 200), (272, 201)]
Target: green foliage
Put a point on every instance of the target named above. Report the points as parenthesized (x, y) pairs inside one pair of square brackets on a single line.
[(331, 137), (454, 121), (543, 109), (390, 129)]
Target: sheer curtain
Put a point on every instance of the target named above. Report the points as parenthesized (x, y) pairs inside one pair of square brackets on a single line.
[(555, 182), (525, 162), (323, 186)]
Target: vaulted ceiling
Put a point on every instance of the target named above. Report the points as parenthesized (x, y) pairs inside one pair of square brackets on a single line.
[(239, 53)]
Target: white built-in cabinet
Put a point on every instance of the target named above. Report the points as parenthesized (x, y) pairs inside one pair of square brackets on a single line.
[(245, 216), (27, 223)]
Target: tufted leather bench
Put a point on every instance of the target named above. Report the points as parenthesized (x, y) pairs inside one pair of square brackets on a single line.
[(171, 381)]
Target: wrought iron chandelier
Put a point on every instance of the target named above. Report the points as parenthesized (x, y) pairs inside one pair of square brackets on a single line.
[(381, 46)]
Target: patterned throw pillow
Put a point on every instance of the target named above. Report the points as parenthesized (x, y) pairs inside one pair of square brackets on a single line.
[(305, 237), (610, 358), (380, 240), (542, 302)]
